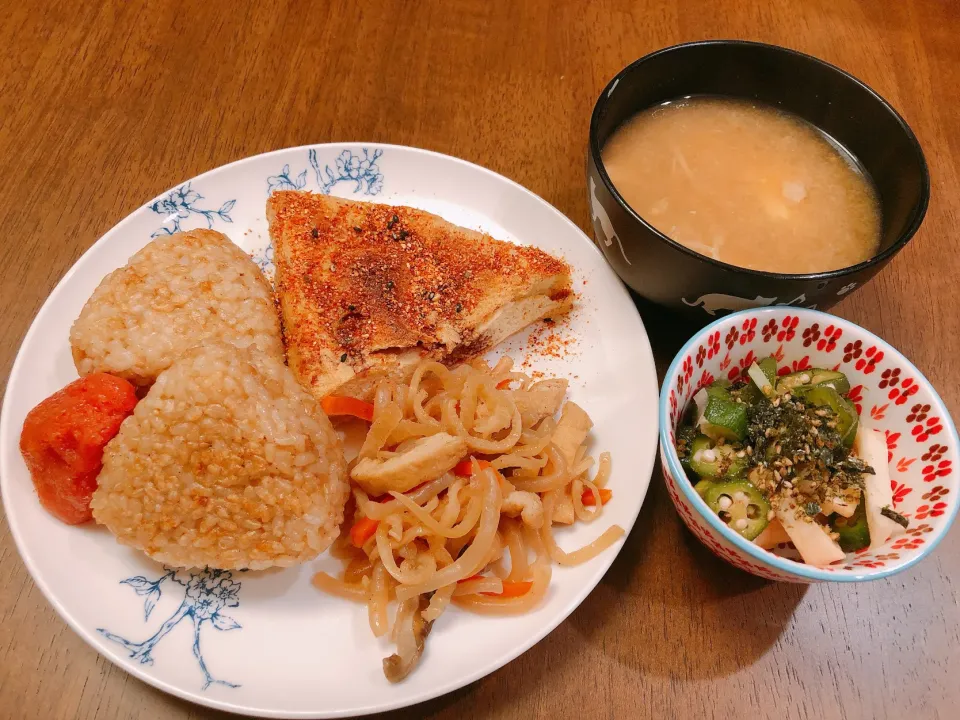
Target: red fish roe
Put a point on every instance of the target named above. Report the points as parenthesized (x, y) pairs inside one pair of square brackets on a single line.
[(63, 439)]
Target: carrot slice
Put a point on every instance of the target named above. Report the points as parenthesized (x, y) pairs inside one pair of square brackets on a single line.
[(464, 468), (588, 499), (512, 589), (472, 577), (362, 531), (339, 405), (504, 384)]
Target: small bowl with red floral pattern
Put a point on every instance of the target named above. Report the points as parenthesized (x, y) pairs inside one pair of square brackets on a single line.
[(890, 395)]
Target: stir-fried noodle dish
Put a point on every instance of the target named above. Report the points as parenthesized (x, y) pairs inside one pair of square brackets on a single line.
[(457, 486)]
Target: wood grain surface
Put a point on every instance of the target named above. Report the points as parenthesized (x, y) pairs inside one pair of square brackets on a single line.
[(104, 105)]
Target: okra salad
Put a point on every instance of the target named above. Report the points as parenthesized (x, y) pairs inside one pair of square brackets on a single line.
[(786, 459)]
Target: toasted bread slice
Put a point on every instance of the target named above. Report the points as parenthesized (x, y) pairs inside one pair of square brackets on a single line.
[(367, 290)]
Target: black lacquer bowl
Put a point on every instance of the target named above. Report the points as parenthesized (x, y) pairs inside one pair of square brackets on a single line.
[(671, 275)]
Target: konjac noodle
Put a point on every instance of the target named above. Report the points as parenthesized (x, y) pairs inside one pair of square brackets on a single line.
[(478, 534), (745, 184)]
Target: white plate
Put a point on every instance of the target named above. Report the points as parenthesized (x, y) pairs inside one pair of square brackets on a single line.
[(273, 645)]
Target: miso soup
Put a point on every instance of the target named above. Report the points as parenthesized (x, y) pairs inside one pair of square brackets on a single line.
[(746, 184)]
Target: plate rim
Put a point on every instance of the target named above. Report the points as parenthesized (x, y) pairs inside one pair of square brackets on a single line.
[(649, 434)]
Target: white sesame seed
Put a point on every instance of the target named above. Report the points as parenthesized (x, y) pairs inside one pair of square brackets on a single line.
[(805, 378), (709, 456), (740, 524), (724, 502)]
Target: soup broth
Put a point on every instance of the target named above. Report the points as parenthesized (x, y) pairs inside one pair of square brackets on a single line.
[(745, 184)]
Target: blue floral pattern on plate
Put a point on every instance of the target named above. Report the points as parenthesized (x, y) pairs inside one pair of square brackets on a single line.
[(351, 168), (264, 260), (206, 594), (360, 169), (283, 181), (180, 204)]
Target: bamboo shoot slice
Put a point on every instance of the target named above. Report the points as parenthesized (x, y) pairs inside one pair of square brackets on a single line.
[(773, 534), (871, 447), (811, 539), (839, 506)]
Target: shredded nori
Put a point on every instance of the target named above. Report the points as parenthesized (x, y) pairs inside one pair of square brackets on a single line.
[(849, 471), (796, 429), (889, 512)]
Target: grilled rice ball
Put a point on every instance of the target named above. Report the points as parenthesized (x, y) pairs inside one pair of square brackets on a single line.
[(227, 463), (179, 291)]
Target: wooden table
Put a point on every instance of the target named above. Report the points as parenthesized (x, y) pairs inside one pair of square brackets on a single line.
[(105, 105)]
